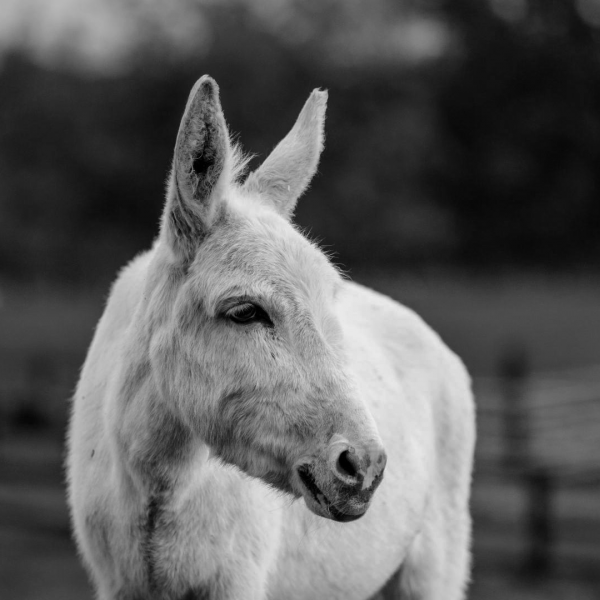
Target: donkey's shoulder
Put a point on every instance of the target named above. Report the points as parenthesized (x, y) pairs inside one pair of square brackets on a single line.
[(395, 334)]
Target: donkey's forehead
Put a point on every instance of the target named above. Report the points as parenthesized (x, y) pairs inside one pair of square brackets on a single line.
[(260, 252)]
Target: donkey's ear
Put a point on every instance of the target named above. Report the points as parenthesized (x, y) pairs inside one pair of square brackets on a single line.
[(201, 170), (287, 171)]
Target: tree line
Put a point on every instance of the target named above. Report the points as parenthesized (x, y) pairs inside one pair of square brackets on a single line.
[(486, 157)]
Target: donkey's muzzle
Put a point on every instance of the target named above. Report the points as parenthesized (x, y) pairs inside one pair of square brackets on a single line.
[(341, 487)]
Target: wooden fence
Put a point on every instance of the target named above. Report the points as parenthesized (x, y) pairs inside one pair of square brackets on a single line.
[(541, 433), (537, 476)]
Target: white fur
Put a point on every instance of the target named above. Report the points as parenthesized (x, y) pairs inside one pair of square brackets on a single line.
[(286, 173), (180, 414)]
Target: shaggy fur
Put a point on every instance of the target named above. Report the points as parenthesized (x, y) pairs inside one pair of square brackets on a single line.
[(211, 453)]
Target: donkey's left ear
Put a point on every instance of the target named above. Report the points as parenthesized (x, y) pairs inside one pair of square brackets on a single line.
[(201, 170), (288, 170)]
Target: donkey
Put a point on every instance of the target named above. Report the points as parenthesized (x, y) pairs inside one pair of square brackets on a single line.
[(241, 400)]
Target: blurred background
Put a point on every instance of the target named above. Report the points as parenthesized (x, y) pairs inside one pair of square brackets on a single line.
[(460, 175)]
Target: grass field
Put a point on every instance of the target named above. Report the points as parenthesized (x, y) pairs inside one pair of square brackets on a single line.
[(44, 333)]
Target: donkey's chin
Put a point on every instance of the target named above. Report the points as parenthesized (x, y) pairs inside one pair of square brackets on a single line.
[(325, 500)]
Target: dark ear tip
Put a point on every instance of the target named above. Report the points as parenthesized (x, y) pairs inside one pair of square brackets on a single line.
[(205, 87)]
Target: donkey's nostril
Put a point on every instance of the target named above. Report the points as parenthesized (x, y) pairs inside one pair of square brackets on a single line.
[(348, 464), (357, 466)]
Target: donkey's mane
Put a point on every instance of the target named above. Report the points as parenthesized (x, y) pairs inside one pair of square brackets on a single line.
[(239, 162)]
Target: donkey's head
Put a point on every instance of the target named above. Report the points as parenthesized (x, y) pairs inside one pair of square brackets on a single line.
[(249, 352)]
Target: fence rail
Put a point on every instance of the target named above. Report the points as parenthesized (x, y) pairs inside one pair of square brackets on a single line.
[(542, 432), (538, 434)]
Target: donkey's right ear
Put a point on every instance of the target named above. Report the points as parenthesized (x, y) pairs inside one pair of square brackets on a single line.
[(200, 173)]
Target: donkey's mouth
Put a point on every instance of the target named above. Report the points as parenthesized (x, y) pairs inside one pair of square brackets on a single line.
[(327, 508)]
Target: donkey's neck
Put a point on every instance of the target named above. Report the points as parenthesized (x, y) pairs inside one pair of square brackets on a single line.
[(154, 447), (156, 458)]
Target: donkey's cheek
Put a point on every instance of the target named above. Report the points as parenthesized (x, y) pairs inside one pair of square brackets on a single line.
[(258, 436)]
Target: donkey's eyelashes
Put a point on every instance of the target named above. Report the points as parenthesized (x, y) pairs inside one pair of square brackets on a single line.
[(248, 313), (243, 313)]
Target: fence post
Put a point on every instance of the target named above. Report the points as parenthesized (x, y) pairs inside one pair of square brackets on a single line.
[(539, 489), (514, 370)]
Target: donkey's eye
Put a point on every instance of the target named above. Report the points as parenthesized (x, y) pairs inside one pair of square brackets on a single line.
[(244, 314)]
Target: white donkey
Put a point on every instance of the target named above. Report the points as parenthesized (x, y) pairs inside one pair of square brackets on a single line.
[(235, 372)]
